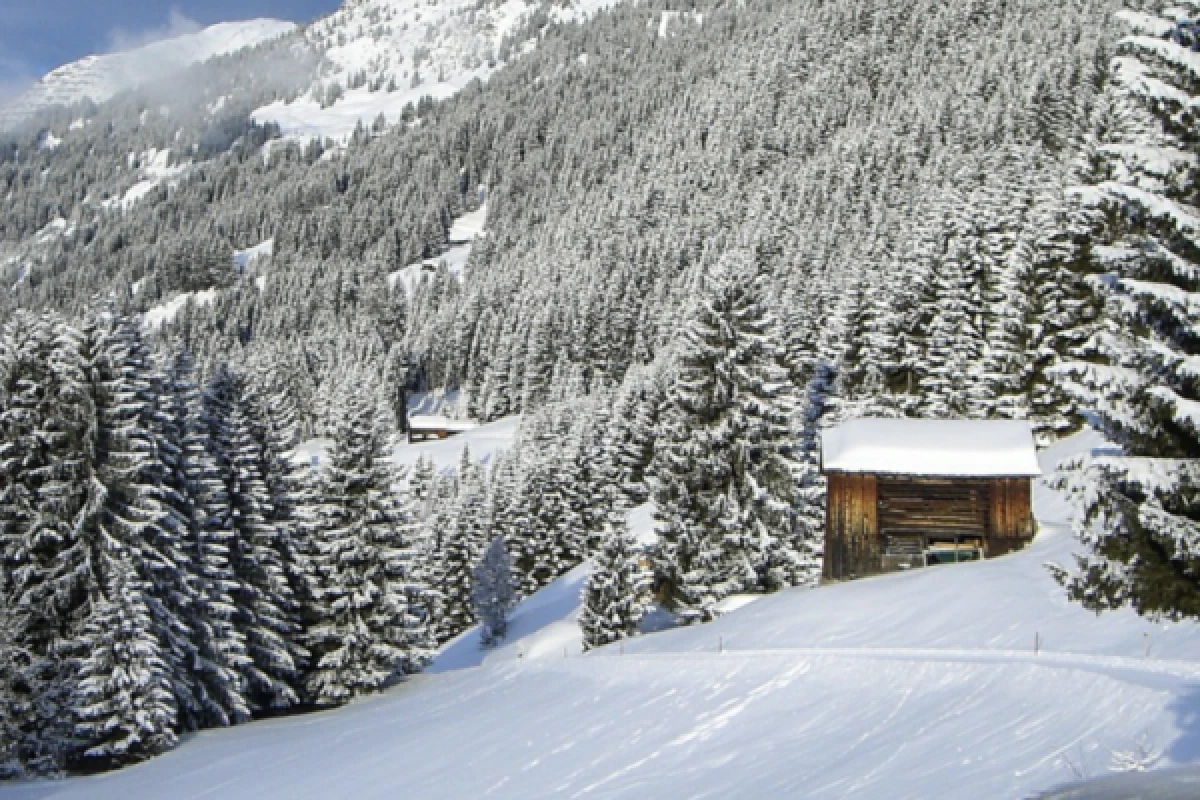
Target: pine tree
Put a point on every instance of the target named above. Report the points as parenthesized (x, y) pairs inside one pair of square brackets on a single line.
[(264, 602), (723, 471), (142, 525), (615, 595), (492, 594), (220, 647), (1140, 514), (635, 419), (462, 546), (24, 701), (368, 624), (47, 493), (123, 701)]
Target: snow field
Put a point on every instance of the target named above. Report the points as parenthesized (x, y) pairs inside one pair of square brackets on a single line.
[(485, 442), (448, 43)]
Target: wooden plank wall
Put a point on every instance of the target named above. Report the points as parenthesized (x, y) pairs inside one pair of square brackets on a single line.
[(1010, 515), (852, 542), (925, 505), (857, 505)]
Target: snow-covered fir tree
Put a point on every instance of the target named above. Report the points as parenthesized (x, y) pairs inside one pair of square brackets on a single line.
[(1139, 510), (134, 686), (723, 476), (367, 630), (616, 593), (220, 646), (47, 422), (264, 601), (492, 595), (462, 545)]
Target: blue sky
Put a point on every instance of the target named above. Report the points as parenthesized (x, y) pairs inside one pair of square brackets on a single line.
[(38, 35)]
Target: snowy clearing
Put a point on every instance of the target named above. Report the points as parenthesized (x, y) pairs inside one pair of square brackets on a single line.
[(242, 259), (154, 169), (463, 232), (304, 119), (915, 685), (157, 316), (484, 441)]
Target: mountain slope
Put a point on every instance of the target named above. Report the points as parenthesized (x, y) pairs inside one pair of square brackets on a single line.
[(906, 686), (386, 54), (99, 77)]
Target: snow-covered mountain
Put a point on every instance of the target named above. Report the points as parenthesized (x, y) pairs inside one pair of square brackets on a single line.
[(99, 77), (385, 54)]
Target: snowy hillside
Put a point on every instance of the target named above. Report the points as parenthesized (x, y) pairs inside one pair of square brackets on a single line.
[(386, 54), (914, 685), (99, 77)]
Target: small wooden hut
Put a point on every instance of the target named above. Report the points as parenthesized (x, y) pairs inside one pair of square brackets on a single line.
[(905, 493), (424, 427)]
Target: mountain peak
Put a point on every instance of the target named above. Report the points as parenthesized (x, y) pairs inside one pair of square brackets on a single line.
[(99, 77)]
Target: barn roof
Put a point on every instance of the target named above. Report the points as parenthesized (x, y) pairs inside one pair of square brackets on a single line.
[(439, 423), (931, 447)]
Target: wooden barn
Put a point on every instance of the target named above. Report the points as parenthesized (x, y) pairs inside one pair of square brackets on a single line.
[(907, 493), (424, 427)]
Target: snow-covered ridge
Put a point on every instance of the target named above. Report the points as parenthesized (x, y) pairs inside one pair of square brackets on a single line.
[(99, 77), (386, 54)]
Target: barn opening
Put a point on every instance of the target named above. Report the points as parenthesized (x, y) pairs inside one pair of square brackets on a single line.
[(907, 493)]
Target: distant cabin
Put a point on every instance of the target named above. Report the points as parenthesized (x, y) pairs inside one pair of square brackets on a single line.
[(423, 427), (905, 493)]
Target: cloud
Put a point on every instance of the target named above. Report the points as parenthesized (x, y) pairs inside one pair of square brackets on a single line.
[(177, 24)]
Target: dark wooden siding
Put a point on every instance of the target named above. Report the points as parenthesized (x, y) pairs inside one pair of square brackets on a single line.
[(863, 512), (927, 505), (851, 528), (1010, 515)]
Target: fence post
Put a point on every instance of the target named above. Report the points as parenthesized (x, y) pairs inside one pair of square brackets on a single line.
[(1146, 637), (1036, 643), (720, 644)]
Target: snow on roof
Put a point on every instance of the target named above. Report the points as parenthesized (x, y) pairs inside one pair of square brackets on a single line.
[(947, 448), (438, 422)]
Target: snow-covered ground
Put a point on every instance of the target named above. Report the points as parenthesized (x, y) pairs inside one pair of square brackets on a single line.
[(463, 233), (484, 442), (422, 49), (545, 626), (153, 169), (160, 314), (305, 119), (915, 685), (242, 259)]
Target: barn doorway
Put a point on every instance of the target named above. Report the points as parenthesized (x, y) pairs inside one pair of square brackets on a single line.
[(927, 521)]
